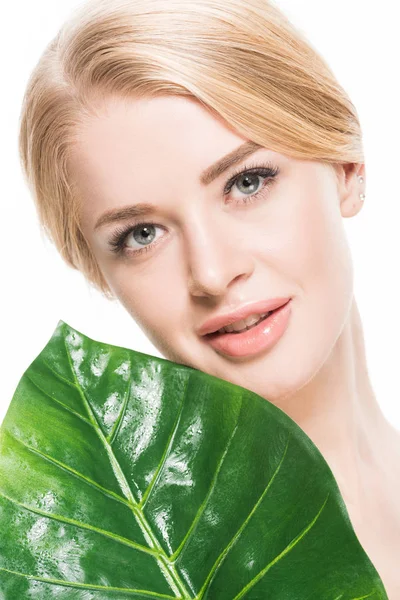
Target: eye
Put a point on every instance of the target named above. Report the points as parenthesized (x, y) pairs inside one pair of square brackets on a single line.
[(144, 234), (248, 179)]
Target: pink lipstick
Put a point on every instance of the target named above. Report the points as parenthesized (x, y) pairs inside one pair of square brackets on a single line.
[(261, 336)]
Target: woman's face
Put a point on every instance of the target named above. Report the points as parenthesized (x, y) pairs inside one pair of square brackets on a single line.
[(207, 251)]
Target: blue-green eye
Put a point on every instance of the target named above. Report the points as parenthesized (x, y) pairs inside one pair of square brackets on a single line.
[(248, 178), (144, 233)]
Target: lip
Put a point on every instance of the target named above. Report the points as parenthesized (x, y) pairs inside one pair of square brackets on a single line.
[(260, 307), (249, 342)]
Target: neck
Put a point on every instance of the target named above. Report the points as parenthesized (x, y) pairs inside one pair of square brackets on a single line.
[(338, 410)]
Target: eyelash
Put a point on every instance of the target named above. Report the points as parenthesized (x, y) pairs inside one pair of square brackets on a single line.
[(267, 171)]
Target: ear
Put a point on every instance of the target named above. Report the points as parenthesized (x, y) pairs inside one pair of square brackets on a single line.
[(349, 187)]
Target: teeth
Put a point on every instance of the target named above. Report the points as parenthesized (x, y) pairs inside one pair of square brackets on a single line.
[(243, 323), (238, 325), (251, 319)]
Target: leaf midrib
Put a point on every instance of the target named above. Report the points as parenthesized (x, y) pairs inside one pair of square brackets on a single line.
[(167, 567)]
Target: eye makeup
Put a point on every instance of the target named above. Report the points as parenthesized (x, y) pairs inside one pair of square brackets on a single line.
[(267, 172)]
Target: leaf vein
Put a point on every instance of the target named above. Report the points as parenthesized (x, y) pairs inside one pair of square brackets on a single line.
[(89, 586), (293, 543), (73, 472), (56, 517), (206, 499), (168, 569), (167, 448), (58, 375), (116, 427), (234, 539), (64, 406)]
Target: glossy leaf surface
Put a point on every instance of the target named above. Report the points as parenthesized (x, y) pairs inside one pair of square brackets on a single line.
[(124, 475)]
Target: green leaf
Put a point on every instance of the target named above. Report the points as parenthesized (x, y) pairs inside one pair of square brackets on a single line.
[(124, 475)]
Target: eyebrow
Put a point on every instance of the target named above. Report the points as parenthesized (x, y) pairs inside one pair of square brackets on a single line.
[(206, 177)]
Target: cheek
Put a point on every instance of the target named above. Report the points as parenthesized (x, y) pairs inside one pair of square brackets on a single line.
[(302, 246), (321, 264), (309, 241), (299, 238), (152, 296), (325, 254)]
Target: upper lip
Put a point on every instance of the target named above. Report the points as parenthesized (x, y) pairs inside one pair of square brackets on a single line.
[(259, 307)]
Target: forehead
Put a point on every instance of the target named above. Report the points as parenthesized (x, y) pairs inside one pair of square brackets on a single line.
[(129, 149), (139, 129), (147, 150)]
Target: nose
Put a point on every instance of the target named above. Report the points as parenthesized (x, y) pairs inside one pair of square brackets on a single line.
[(216, 259)]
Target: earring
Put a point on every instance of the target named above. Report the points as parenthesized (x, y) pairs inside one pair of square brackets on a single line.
[(361, 180)]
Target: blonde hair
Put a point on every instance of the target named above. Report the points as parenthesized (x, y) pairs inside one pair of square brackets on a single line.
[(243, 60)]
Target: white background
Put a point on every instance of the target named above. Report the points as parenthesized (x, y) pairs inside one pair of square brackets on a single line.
[(360, 43)]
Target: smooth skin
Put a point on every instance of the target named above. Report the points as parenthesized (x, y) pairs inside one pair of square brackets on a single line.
[(212, 252)]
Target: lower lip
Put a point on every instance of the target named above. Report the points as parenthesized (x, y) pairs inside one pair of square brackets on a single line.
[(252, 341)]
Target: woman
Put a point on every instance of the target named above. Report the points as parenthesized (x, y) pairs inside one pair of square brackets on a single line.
[(196, 161)]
